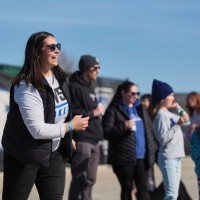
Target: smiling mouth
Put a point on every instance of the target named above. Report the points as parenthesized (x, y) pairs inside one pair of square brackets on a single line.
[(54, 57)]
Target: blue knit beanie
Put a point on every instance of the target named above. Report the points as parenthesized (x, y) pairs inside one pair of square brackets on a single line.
[(160, 90)]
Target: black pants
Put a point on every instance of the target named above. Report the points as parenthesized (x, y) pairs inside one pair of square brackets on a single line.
[(19, 178), (126, 174)]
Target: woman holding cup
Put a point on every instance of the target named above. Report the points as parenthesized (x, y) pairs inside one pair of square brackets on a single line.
[(132, 147)]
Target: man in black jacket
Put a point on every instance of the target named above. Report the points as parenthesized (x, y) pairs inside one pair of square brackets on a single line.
[(84, 102)]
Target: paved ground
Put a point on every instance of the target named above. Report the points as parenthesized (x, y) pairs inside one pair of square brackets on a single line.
[(107, 187)]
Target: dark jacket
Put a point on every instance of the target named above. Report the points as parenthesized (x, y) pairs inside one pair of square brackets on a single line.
[(122, 149), (84, 101), (17, 140)]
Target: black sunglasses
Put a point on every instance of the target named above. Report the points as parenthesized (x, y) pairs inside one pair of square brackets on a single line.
[(134, 93), (53, 47)]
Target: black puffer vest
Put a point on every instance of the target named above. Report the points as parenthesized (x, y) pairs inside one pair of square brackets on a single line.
[(17, 140)]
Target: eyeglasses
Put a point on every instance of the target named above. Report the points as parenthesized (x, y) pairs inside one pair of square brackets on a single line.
[(94, 68), (53, 47), (134, 93)]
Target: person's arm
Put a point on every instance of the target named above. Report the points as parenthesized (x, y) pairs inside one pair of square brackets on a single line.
[(195, 148), (113, 130), (32, 111), (163, 132)]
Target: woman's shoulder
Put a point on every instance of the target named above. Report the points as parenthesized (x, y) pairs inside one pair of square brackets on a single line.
[(166, 113), (111, 106), (161, 113), (25, 90), (23, 86)]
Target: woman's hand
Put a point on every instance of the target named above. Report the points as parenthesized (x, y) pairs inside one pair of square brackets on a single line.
[(129, 124), (79, 123), (174, 104), (184, 118)]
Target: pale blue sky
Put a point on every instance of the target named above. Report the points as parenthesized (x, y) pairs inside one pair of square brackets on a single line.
[(138, 40)]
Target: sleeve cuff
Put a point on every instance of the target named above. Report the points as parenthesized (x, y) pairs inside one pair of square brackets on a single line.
[(91, 114)]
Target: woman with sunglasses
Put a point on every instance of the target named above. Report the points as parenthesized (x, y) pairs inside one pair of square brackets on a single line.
[(132, 147), (37, 137)]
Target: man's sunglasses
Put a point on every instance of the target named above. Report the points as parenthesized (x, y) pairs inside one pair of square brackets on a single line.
[(53, 47), (94, 68), (134, 93)]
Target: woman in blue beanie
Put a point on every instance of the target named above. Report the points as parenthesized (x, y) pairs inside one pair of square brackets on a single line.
[(167, 130)]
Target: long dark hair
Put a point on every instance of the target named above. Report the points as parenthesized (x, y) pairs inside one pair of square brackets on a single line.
[(31, 69), (124, 86)]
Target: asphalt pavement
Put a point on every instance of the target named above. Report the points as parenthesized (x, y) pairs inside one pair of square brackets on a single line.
[(107, 186)]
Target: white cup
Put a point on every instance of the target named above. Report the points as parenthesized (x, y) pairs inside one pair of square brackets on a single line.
[(134, 125)]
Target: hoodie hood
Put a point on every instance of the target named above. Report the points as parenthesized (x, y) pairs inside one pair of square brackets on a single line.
[(77, 77)]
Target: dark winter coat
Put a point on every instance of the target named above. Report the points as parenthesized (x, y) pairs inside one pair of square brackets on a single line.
[(122, 150)]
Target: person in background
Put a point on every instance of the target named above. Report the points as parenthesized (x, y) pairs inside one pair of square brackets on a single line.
[(37, 137), (84, 102), (193, 107), (145, 100), (167, 130), (195, 153), (127, 127)]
